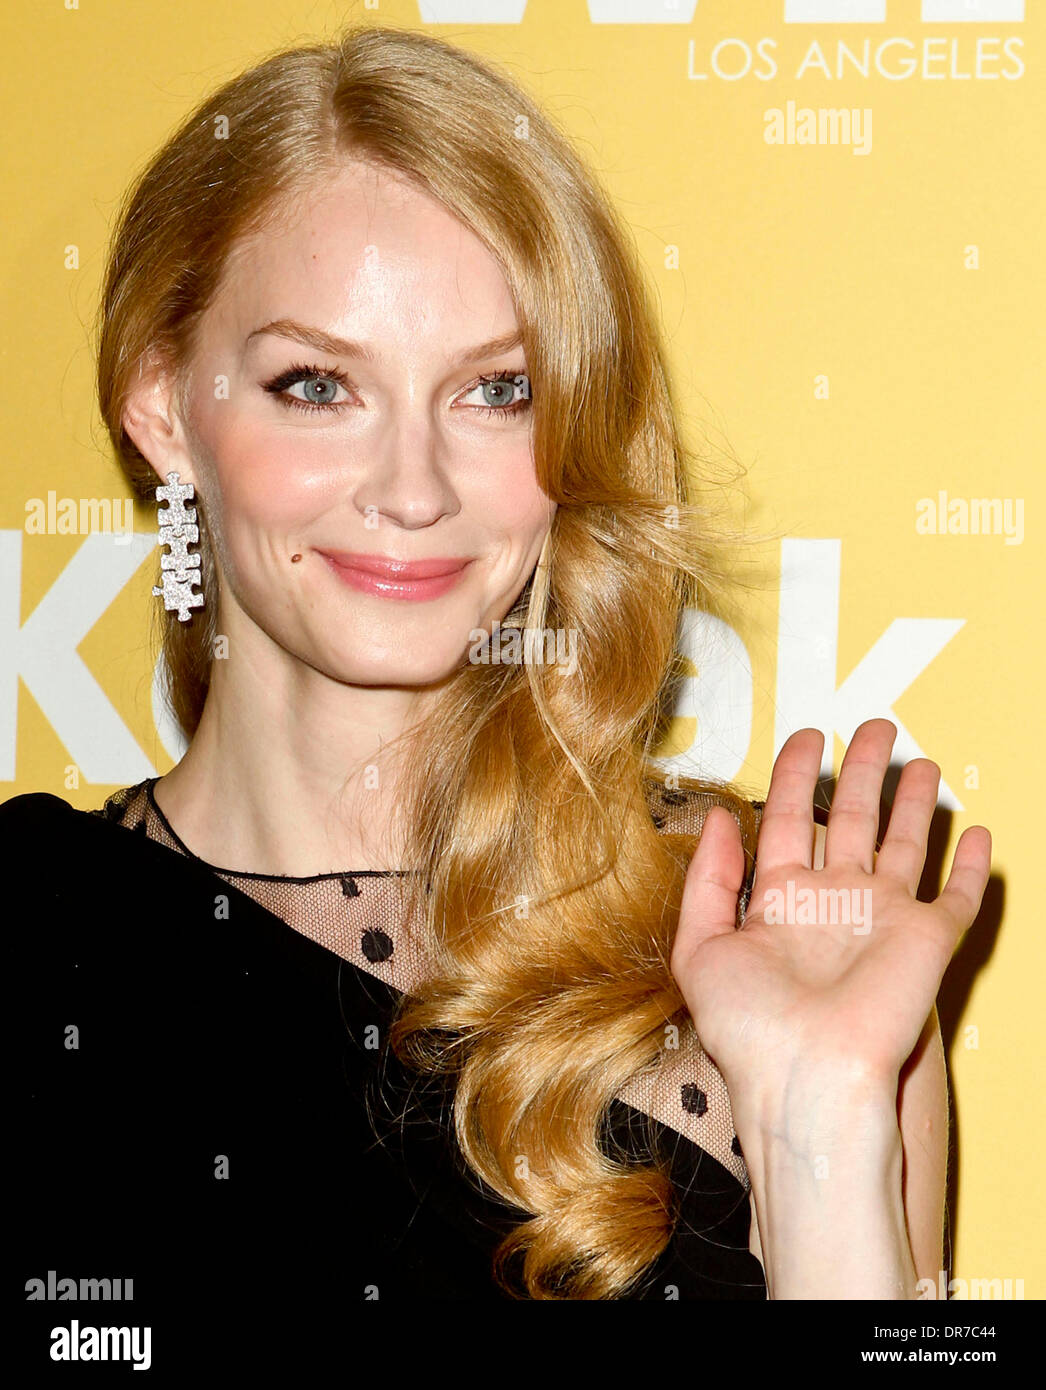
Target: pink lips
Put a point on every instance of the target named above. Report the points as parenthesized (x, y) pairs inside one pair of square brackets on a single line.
[(390, 578)]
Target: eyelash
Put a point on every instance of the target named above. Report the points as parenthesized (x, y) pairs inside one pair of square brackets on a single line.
[(302, 371)]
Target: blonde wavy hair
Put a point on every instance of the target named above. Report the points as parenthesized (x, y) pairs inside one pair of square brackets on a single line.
[(528, 784)]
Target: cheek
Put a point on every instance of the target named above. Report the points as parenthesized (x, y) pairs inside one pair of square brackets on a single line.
[(510, 499), (264, 478)]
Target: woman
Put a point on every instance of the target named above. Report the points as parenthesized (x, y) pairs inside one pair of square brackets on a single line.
[(411, 984)]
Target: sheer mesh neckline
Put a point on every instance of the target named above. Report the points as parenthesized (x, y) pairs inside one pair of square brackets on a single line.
[(374, 919), (150, 794)]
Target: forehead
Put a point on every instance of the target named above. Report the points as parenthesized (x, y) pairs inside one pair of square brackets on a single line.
[(366, 252)]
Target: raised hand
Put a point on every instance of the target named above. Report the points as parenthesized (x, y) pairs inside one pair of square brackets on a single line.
[(850, 980)]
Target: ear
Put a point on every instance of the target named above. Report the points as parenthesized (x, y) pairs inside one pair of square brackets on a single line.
[(152, 417)]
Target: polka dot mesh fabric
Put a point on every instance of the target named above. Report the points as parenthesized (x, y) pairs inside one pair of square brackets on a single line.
[(366, 918)]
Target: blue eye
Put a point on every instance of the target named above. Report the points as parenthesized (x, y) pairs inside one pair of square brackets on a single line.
[(328, 379), (498, 391)]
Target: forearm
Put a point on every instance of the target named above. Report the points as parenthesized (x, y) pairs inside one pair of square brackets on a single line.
[(825, 1157)]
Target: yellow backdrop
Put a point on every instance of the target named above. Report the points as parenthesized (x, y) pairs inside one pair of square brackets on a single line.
[(840, 205)]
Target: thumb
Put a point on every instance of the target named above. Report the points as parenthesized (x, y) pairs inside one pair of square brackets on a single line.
[(712, 885)]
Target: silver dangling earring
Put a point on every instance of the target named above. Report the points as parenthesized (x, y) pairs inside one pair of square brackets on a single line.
[(179, 570)]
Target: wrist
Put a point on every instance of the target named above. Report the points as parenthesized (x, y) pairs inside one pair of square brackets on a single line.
[(832, 1221), (816, 1106), (824, 1154)]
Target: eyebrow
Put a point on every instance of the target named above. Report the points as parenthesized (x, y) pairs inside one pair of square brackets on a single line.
[(346, 347)]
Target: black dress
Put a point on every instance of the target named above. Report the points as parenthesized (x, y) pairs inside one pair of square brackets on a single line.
[(205, 1105)]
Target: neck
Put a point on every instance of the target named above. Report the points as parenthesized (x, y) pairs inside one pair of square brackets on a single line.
[(290, 771)]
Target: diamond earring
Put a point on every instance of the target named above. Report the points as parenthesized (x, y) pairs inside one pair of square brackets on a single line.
[(180, 571)]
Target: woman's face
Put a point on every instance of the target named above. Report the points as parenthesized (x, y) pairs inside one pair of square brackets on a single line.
[(336, 411)]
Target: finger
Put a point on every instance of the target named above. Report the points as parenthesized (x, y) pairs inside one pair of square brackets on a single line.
[(786, 833), (854, 817), (903, 851), (712, 885), (964, 891)]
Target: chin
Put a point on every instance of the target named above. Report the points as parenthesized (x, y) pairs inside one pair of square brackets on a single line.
[(396, 669)]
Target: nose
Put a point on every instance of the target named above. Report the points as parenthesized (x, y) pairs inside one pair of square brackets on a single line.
[(405, 478)]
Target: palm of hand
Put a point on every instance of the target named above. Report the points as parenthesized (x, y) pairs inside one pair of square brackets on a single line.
[(846, 973)]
